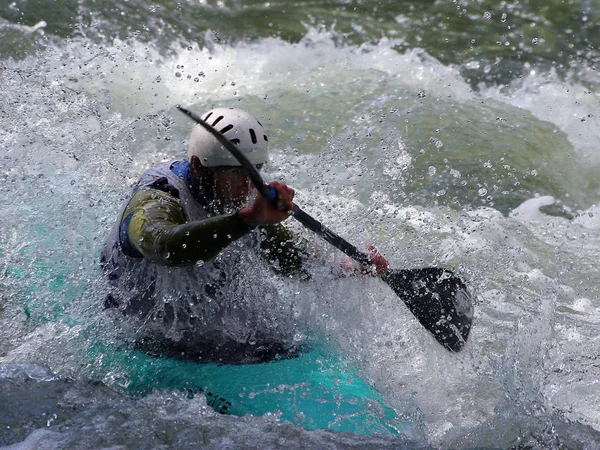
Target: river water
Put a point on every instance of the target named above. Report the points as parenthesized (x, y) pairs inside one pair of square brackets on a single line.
[(453, 133)]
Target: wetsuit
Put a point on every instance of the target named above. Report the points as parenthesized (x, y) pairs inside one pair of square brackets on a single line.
[(193, 284)]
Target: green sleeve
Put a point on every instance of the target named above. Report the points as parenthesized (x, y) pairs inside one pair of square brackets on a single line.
[(159, 230), (287, 253)]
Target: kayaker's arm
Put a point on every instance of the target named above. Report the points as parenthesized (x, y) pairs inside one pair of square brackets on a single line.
[(158, 229)]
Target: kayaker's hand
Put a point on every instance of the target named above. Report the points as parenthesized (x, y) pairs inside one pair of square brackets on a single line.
[(264, 212), (378, 267)]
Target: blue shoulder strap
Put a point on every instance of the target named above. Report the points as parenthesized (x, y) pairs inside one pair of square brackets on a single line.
[(126, 246), (183, 170)]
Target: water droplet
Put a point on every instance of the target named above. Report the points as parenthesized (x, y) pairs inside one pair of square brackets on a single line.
[(487, 15)]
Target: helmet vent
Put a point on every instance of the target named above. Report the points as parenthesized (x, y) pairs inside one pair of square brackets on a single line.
[(235, 141), (217, 121), (253, 136), (265, 137), (226, 129)]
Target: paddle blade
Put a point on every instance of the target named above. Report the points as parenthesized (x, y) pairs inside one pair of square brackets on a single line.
[(439, 300)]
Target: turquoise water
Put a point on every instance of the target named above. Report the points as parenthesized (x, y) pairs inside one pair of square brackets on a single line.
[(456, 133)]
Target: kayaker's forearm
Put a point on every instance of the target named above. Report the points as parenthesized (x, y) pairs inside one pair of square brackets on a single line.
[(191, 242), (159, 230)]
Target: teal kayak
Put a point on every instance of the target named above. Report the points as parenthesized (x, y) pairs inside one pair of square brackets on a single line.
[(316, 390)]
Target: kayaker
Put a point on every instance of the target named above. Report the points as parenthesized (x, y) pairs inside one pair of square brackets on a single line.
[(175, 258)]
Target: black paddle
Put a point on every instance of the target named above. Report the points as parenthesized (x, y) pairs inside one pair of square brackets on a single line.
[(437, 297)]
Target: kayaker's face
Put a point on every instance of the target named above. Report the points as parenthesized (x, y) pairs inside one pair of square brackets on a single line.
[(232, 186)]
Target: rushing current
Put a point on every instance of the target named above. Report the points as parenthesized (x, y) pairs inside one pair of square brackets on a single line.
[(447, 133)]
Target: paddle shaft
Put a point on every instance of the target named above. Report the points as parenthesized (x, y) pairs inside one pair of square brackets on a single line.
[(331, 237)]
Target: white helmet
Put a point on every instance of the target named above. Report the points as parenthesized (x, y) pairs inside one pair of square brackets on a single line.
[(239, 127)]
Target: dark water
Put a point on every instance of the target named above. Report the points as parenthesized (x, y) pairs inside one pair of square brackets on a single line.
[(453, 133)]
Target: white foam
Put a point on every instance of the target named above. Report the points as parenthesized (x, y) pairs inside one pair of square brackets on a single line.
[(571, 106), (27, 371), (38, 27), (136, 79), (589, 219), (37, 440), (530, 209)]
